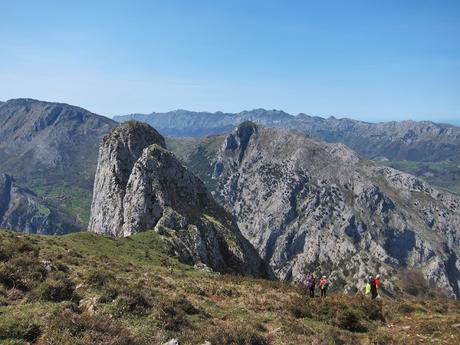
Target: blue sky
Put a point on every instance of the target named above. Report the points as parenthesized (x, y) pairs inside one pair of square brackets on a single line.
[(369, 60)]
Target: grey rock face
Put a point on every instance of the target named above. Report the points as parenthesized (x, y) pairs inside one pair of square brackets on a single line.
[(307, 205), (119, 151), (140, 186), (21, 210)]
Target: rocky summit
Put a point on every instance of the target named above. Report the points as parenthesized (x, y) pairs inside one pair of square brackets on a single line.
[(140, 185), (311, 206), (119, 151)]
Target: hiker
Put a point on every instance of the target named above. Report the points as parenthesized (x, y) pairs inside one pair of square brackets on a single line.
[(377, 281), (373, 285), (367, 287), (323, 285), (311, 283)]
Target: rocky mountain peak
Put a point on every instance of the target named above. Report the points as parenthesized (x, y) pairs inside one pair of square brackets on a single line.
[(140, 185), (245, 130), (238, 140), (119, 151)]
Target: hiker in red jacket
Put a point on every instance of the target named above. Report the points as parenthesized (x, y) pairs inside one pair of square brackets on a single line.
[(373, 284), (323, 285), (377, 281)]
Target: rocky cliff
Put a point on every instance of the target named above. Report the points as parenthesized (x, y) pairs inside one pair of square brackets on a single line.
[(118, 153), (139, 185), (22, 210), (307, 205)]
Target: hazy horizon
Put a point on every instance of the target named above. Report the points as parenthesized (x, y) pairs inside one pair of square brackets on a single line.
[(366, 61)]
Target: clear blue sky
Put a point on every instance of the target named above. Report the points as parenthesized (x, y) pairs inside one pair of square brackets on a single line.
[(369, 60)]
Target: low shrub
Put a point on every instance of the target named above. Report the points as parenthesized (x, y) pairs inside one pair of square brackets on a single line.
[(22, 272), (133, 301), (346, 312), (62, 267), (19, 264), (185, 305), (100, 278), (173, 313), (109, 295), (299, 308), (380, 337), (349, 320), (406, 308), (371, 309), (22, 329), (83, 329), (239, 334), (339, 337), (173, 319), (57, 287), (14, 248)]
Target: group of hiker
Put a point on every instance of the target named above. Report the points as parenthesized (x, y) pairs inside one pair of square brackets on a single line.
[(311, 284), (372, 284)]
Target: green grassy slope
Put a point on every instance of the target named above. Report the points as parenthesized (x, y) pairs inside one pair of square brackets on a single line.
[(84, 288), (69, 198)]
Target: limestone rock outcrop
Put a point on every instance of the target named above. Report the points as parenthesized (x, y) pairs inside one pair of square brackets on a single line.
[(119, 151), (140, 186)]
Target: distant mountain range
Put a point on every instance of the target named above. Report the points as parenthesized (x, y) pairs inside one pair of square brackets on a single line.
[(406, 140), (410, 146)]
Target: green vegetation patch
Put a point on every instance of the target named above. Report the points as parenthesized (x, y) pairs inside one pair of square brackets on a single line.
[(71, 199)]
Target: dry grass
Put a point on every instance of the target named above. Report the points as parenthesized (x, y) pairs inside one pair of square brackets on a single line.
[(106, 291)]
